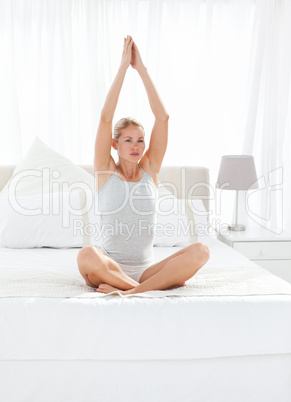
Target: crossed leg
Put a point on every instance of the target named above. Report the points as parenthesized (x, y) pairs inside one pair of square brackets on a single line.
[(97, 268), (172, 271)]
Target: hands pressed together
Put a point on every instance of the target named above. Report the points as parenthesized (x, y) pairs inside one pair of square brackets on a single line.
[(130, 55)]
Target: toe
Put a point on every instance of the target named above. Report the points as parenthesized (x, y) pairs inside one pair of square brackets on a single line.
[(101, 288)]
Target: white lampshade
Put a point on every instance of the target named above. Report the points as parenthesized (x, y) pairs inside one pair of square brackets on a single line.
[(237, 172)]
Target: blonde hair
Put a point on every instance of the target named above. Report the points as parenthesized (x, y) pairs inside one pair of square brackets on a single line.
[(122, 124)]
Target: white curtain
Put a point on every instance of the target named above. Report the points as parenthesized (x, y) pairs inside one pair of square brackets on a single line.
[(267, 131), (59, 58), (211, 61)]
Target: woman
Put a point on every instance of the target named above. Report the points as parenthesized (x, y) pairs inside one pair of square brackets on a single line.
[(124, 261)]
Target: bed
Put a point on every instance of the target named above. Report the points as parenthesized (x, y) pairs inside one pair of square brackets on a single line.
[(230, 345)]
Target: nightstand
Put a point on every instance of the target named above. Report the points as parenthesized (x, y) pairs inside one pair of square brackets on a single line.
[(270, 251)]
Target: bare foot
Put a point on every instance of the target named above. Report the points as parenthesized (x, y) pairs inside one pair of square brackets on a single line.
[(105, 288)]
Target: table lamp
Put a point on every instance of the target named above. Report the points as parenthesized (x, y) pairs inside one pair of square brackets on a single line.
[(237, 172)]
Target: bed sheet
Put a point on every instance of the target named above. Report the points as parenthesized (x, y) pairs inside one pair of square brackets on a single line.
[(140, 328)]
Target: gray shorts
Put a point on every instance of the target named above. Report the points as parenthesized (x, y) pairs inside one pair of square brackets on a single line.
[(133, 271)]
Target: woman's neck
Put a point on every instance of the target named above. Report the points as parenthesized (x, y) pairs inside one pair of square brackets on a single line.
[(131, 172)]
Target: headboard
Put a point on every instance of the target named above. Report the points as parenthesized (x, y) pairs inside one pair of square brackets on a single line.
[(183, 181)]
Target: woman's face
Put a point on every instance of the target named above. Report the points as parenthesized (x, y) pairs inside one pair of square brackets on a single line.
[(130, 144)]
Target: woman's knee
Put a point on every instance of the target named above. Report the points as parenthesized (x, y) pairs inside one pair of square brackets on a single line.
[(199, 252), (87, 258)]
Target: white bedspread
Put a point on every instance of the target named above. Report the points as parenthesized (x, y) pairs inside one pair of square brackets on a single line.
[(54, 273), (241, 310), (242, 281)]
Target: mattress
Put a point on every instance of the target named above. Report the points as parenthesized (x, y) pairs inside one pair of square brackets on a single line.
[(134, 328), (239, 379)]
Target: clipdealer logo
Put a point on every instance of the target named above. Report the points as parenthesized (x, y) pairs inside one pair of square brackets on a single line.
[(265, 204)]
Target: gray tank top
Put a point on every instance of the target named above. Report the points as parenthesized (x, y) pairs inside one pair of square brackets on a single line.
[(128, 218)]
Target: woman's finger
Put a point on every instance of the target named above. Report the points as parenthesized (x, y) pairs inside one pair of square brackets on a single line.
[(129, 44)]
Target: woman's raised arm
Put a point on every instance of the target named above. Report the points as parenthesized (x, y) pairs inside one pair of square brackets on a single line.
[(159, 135), (104, 133)]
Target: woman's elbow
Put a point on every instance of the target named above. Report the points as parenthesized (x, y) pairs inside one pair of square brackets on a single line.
[(106, 118), (164, 118)]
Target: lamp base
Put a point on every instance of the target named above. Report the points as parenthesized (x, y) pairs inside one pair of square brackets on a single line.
[(236, 228)]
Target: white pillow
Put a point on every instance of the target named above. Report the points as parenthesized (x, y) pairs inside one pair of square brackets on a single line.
[(90, 226), (171, 229), (42, 177), (43, 170), (48, 220), (175, 222), (199, 211)]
